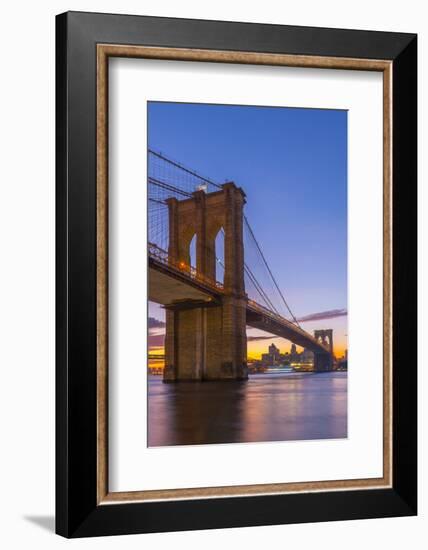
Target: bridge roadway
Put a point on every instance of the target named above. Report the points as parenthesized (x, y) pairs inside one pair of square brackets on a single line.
[(181, 286)]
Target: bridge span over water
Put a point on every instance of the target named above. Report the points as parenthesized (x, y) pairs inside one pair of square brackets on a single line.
[(206, 319)]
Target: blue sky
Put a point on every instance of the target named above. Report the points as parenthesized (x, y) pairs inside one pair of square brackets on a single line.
[(292, 165)]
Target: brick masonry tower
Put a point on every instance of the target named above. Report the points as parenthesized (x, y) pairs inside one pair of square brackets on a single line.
[(208, 343), (324, 361)]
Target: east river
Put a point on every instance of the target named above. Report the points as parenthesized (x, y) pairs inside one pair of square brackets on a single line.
[(285, 406)]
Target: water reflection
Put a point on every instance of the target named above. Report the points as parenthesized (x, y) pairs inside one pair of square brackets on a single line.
[(269, 407)]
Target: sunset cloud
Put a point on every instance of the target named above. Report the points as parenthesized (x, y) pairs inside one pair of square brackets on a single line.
[(331, 314), (156, 340), (156, 333), (256, 338), (155, 323)]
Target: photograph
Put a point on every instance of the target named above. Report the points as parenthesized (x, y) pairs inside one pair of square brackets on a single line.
[(247, 239)]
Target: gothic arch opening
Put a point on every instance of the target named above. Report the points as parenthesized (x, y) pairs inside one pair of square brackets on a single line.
[(192, 251), (219, 254)]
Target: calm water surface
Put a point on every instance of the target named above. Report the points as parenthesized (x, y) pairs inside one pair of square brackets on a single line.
[(268, 407)]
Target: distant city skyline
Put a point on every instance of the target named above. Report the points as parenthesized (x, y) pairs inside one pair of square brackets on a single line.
[(292, 165)]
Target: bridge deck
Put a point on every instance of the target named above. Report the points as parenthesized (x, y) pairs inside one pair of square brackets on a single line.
[(262, 319), (170, 283)]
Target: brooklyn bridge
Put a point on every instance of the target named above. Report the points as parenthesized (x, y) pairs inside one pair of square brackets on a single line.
[(199, 244)]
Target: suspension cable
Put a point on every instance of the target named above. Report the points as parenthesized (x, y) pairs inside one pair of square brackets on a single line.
[(168, 187), (257, 285), (178, 165), (250, 274), (270, 272)]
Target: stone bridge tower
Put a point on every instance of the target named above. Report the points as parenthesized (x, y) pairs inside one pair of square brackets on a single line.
[(209, 342), (324, 361)]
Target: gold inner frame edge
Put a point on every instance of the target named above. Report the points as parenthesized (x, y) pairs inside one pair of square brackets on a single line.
[(104, 51)]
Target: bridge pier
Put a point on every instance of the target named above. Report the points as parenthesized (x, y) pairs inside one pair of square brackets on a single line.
[(323, 362), (208, 341)]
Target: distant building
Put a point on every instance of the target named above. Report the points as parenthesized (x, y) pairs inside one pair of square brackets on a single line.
[(342, 364), (294, 356), (274, 352), (273, 357), (306, 356)]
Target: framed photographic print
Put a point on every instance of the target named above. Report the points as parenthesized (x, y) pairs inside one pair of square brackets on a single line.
[(236, 274)]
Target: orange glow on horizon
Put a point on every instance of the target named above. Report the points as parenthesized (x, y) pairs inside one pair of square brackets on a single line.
[(254, 350), (156, 350)]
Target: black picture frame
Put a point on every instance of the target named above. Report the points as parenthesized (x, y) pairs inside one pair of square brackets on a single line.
[(77, 512)]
